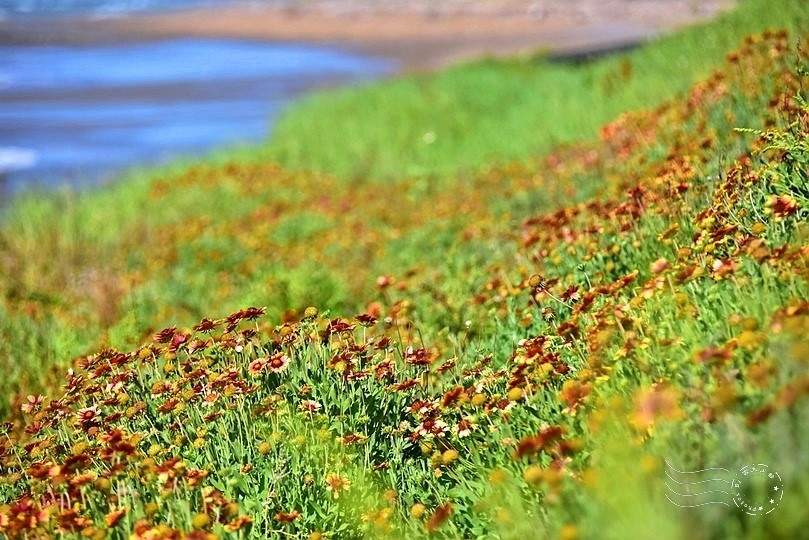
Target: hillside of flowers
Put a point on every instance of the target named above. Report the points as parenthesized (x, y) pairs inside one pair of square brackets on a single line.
[(514, 355)]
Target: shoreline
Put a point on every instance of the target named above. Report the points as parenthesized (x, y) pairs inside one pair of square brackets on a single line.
[(417, 35), (415, 38), (98, 120)]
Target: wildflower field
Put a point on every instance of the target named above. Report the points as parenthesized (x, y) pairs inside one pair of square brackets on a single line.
[(507, 339)]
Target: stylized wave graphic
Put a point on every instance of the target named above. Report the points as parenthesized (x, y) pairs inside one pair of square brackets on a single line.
[(689, 489)]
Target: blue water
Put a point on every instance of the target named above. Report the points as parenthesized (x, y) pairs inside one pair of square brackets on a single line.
[(81, 114), (16, 8)]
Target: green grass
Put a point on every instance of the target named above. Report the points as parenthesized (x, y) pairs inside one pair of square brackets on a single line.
[(495, 111), (645, 291), (78, 258)]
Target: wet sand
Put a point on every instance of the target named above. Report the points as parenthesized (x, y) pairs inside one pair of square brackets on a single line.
[(419, 35)]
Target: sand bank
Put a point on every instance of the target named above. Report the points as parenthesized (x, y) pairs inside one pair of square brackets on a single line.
[(421, 35)]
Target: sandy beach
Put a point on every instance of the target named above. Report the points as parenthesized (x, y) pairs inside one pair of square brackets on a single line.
[(419, 35)]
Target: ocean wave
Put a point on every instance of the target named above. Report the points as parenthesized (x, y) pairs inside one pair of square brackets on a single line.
[(13, 158)]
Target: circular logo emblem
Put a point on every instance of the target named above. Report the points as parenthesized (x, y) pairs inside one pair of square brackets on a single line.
[(757, 490)]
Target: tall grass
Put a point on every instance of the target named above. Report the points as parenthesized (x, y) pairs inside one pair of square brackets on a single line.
[(108, 267), (517, 378), (584, 314)]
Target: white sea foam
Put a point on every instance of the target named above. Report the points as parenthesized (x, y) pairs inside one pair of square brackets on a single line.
[(13, 158)]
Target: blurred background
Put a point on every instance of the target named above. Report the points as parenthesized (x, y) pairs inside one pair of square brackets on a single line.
[(90, 88), (79, 113)]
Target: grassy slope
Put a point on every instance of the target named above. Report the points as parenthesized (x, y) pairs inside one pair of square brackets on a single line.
[(680, 351), (604, 336), (497, 111), (157, 248)]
